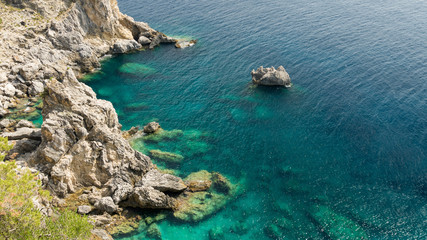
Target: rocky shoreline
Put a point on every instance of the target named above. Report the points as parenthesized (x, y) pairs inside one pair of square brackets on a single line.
[(79, 152)]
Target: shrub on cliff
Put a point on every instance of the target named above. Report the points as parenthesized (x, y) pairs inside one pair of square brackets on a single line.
[(4, 148), (20, 190)]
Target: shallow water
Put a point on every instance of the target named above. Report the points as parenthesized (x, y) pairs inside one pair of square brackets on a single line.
[(341, 153)]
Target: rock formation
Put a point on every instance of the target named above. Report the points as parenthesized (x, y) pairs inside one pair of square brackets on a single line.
[(271, 77), (47, 37)]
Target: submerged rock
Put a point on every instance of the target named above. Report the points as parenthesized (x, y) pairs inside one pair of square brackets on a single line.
[(271, 77), (163, 135), (199, 181), (337, 226), (167, 156), (195, 206)]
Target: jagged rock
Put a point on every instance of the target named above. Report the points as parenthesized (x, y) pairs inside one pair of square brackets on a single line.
[(271, 76), (25, 132), (101, 220), (106, 204), (36, 88), (151, 127), (124, 46), (144, 40), (81, 139), (7, 123), (8, 90), (23, 147), (85, 209), (162, 182), (148, 197), (24, 123)]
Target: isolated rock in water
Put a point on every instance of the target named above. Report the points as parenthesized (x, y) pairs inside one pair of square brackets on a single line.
[(184, 44), (151, 127), (271, 77)]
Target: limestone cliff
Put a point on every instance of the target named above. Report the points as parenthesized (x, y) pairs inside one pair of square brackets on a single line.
[(45, 38)]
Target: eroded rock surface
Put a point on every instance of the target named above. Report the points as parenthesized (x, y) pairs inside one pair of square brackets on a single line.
[(271, 77)]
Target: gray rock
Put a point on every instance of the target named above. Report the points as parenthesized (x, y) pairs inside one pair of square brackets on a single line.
[(36, 88), (101, 220), (106, 204), (24, 123), (7, 123), (151, 127), (148, 197), (22, 147), (25, 132), (124, 46), (271, 77), (29, 71), (9, 90), (162, 182), (83, 210), (102, 234), (144, 40), (185, 44)]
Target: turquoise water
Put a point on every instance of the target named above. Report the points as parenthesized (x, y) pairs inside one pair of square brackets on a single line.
[(342, 154)]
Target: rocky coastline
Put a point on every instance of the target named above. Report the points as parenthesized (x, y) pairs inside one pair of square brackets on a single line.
[(80, 153)]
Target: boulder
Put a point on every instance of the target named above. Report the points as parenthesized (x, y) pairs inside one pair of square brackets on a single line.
[(24, 123), (106, 204), (9, 90), (151, 127), (148, 197), (85, 209), (271, 77), (144, 40), (124, 46), (162, 182)]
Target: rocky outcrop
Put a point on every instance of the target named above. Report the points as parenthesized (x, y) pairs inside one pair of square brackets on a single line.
[(47, 37), (151, 127), (271, 77), (82, 146)]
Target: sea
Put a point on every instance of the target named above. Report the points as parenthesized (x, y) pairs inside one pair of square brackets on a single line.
[(342, 154)]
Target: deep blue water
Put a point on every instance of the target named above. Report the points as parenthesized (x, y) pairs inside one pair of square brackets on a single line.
[(349, 135)]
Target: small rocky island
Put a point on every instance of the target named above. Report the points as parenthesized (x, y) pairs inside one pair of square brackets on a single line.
[(271, 77)]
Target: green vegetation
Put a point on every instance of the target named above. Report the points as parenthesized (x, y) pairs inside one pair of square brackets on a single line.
[(4, 148), (20, 192)]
